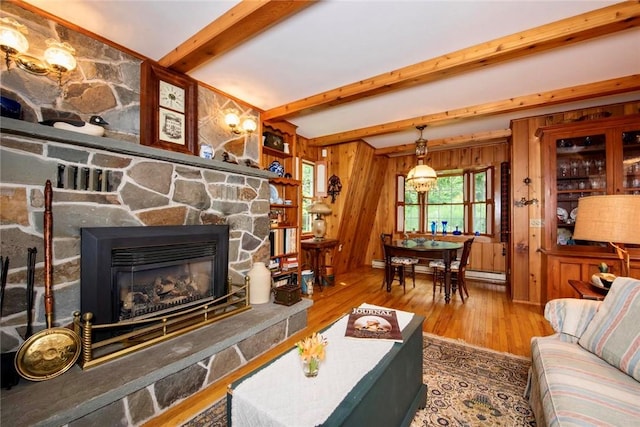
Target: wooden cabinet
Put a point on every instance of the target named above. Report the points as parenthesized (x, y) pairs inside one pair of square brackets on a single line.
[(284, 198), (593, 157)]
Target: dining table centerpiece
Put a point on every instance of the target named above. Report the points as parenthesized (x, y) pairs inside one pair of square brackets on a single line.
[(312, 351)]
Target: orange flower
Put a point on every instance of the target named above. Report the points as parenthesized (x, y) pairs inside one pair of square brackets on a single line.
[(313, 346)]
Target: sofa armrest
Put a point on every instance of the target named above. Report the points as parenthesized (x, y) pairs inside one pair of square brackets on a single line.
[(570, 316)]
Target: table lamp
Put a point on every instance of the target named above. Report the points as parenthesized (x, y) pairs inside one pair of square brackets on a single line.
[(319, 226), (614, 219)]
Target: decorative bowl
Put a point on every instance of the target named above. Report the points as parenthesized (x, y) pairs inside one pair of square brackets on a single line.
[(420, 240)]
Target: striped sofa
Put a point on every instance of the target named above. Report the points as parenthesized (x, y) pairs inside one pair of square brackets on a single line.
[(588, 372)]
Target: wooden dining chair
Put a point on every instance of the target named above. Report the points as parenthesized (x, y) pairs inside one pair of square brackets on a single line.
[(458, 270), (396, 265)]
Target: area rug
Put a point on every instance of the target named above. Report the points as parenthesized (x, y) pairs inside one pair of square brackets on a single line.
[(467, 386)]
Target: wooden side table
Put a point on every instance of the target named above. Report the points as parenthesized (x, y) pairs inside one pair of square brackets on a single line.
[(317, 250), (587, 290)]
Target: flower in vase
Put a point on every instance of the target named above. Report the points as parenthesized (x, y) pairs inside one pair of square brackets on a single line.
[(312, 347)]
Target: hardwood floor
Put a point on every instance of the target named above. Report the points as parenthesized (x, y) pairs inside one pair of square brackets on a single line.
[(488, 318)]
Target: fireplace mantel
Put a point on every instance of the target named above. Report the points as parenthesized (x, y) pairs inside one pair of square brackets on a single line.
[(48, 133)]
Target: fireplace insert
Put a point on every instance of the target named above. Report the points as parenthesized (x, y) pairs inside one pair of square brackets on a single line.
[(130, 273)]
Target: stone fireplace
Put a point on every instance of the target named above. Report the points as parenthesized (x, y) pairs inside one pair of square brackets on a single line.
[(147, 188)]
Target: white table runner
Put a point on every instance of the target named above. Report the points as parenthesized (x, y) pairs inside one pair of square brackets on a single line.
[(280, 394)]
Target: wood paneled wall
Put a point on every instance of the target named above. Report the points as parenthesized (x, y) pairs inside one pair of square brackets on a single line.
[(366, 206), (354, 209)]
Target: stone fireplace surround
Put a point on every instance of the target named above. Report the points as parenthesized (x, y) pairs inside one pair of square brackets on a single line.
[(137, 387)]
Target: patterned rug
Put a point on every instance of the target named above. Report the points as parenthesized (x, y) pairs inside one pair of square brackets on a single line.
[(468, 386)]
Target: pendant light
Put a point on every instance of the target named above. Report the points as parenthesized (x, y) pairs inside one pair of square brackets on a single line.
[(421, 178)]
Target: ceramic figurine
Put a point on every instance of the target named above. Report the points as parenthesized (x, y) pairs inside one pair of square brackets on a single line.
[(93, 127)]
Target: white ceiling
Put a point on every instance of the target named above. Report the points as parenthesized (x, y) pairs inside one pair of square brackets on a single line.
[(337, 42)]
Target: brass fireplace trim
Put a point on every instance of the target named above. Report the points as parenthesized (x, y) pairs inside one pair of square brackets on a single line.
[(158, 329)]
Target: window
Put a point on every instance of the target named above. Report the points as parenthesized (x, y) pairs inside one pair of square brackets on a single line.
[(308, 193), (461, 198)]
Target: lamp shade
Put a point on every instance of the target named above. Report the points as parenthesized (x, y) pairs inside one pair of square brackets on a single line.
[(232, 119), (614, 218), (422, 178), (249, 125), (60, 56), (319, 208), (12, 37)]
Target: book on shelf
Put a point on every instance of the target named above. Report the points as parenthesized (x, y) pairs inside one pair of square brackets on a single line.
[(290, 263), (373, 323), (283, 241)]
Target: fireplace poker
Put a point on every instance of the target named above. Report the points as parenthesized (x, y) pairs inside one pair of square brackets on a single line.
[(52, 351), (31, 269)]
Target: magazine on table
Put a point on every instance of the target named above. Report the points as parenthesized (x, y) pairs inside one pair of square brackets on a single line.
[(373, 323)]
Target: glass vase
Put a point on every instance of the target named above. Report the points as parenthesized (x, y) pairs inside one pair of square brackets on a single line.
[(444, 228), (311, 366)]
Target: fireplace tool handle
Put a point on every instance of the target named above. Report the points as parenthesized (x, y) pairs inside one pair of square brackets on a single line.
[(48, 254), (52, 351)]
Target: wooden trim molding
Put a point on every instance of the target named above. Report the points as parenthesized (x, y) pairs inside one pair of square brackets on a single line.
[(571, 94), (237, 25)]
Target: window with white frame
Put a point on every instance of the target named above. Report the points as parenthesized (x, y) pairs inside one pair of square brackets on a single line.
[(462, 199)]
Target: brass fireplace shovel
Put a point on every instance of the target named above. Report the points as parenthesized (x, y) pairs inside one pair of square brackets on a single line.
[(52, 351)]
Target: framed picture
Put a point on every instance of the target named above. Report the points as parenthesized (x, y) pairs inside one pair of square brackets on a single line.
[(274, 141), (168, 109)]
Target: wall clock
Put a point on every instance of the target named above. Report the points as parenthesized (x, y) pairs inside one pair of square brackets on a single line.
[(168, 109)]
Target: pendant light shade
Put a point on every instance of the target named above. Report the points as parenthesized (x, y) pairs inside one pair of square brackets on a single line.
[(421, 178)]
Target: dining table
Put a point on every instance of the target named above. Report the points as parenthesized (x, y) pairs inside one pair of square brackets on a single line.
[(430, 249)]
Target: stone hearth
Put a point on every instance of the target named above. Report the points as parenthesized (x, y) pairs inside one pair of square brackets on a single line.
[(137, 387)]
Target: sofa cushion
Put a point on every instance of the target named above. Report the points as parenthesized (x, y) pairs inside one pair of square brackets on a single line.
[(569, 317), (579, 388), (614, 332)]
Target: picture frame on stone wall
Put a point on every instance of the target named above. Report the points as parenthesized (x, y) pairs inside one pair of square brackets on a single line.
[(168, 109)]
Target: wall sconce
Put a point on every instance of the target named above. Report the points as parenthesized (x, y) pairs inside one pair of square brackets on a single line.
[(335, 186), (524, 202), (59, 57), (232, 120)]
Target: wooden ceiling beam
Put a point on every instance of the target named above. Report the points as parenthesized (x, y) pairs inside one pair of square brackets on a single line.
[(559, 96), (240, 23), (471, 140), (607, 20)]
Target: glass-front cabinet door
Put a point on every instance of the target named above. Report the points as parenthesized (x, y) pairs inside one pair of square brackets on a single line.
[(581, 170), (631, 160), (586, 158)]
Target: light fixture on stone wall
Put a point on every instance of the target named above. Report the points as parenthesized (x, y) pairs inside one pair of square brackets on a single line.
[(232, 119), (421, 178), (59, 57)]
